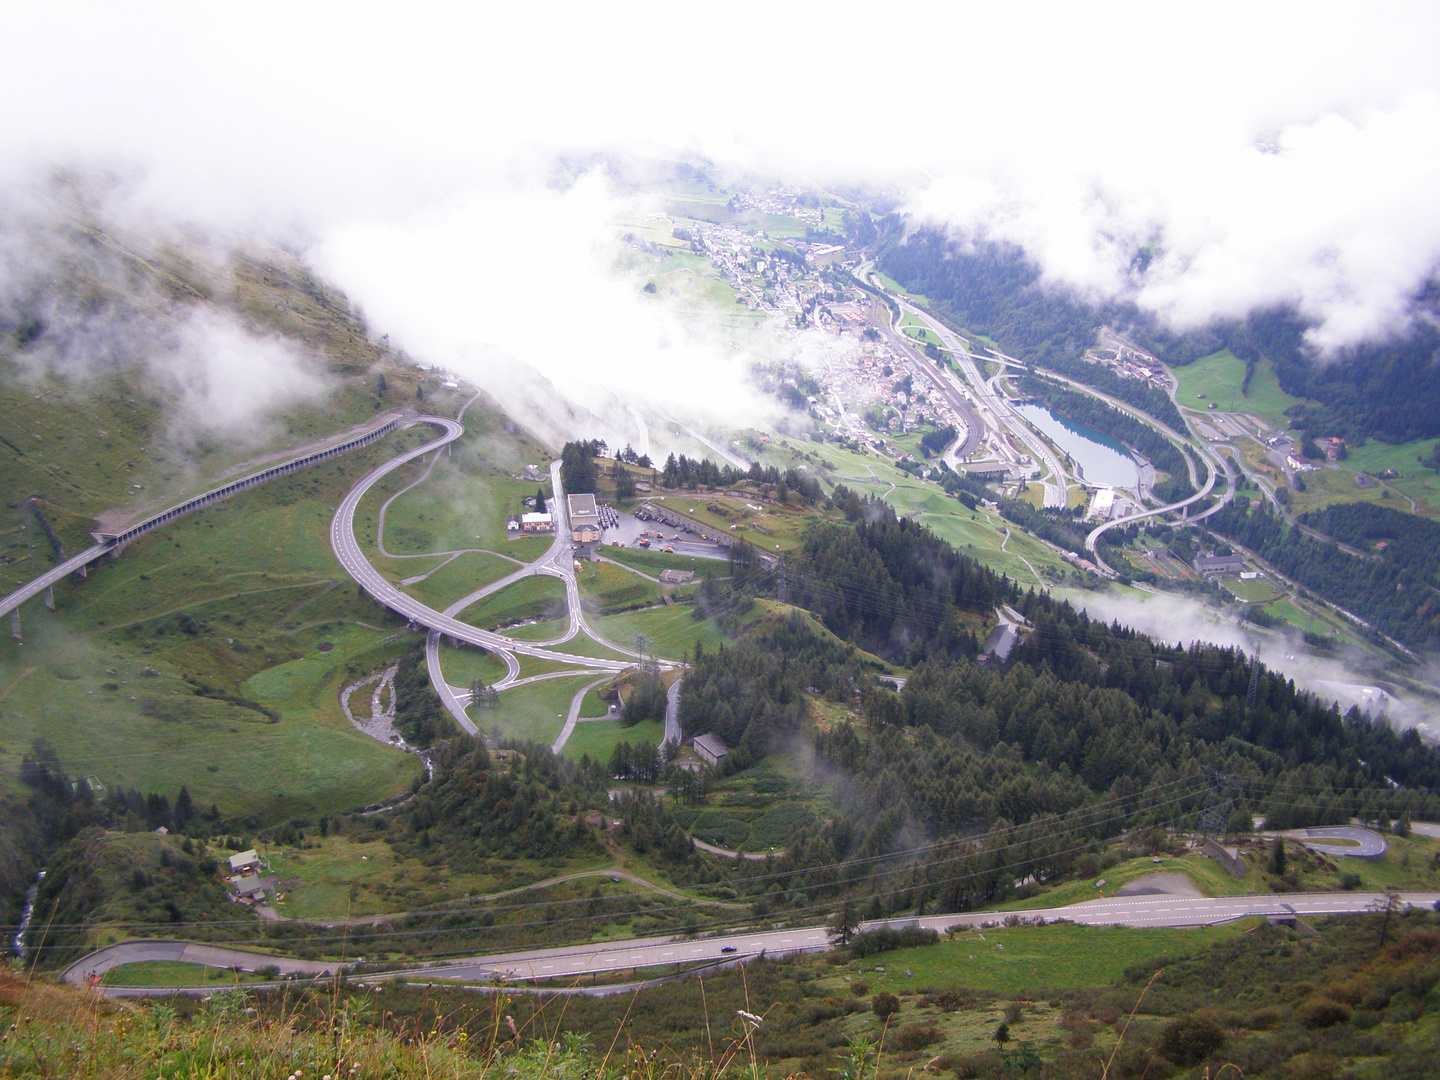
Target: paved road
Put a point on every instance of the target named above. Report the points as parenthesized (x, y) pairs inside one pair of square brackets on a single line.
[(352, 558), (1366, 844), (52, 577), (573, 716), (570, 961)]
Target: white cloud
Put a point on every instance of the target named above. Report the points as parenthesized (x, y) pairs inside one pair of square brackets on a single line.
[(1075, 130)]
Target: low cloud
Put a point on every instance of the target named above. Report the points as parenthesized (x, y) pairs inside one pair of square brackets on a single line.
[(1347, 679), (88, 297), (230, 381), (536, 295)]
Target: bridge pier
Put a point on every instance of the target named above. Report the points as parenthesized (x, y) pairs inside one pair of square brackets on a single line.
[(50, 598), (15, 626)]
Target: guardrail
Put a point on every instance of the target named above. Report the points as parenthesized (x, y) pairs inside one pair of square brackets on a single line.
[(224, 492)]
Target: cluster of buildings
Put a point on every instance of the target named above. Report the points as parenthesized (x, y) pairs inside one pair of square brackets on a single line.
[(247, 877), (1128, 360), (581, 511)]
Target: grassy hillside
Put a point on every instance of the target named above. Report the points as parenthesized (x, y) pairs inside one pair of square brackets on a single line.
[(1266, 1000), (135, 678), (1219, 377)]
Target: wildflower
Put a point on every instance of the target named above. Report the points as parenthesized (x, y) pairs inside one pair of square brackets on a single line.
[(757, 1021)]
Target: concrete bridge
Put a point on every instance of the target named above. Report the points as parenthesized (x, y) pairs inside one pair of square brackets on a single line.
[(110, 543)]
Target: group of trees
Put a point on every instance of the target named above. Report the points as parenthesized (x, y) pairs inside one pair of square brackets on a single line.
[(419, 714), (933, 442), (702, 472), (1093, 728), (55, 808), (1394, 589), (640, 762), (476, 808), (579, 471), (891, 585)]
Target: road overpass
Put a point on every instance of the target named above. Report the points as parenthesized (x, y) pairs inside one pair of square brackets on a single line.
[(111, 542)]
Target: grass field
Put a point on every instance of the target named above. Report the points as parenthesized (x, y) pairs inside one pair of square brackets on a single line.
[(673, 631), (462, 666), (599, 739), (652, 562), (1219, 377), (1025, 960), (604, 587), (1256, 589), (772, 529), (535, 711), (536, 597), (976, 532), (462, 575), (343, 876), (219, 596), (1420, 484), (176, 973), (761, 808)]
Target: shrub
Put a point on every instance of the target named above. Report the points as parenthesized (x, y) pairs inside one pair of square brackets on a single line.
[(885, 1005), (1323, 1013), (1188, 1040), (916, 1036), (949, 1001), (884, 938)]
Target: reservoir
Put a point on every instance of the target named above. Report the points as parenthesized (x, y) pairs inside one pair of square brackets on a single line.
[(1101, 459)]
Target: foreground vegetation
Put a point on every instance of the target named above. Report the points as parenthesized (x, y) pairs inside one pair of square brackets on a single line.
[(1355, 999)]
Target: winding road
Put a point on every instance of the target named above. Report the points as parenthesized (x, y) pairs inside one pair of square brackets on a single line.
[(614, 956)]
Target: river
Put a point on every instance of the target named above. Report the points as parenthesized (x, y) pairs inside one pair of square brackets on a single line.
[(1100, 458)]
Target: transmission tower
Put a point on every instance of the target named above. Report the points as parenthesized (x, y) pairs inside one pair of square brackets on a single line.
[(1252, 694), (1222, 792)]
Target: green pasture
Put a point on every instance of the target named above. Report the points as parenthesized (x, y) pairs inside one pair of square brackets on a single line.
[(605, 587), (217, 597), (455, 510), (1219, 377), (535, 711), (536, 597), (652, 562), (582, 644), (1254, 590), (772, 529), (459, 577), (600, 737), (160, 973), (673, 631), (1025, 960), (463, 666), (1415, 481), (343, 876), (761, 808), (117, 707)]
